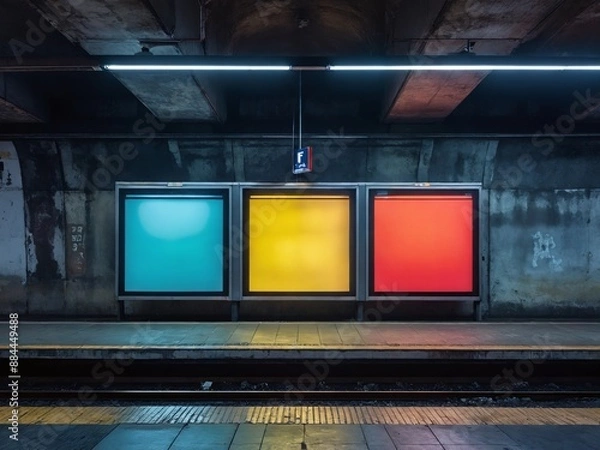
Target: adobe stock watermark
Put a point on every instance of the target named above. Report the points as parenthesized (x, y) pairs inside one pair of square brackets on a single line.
[(318, 371), (37, 32), (145, 130), (517, 375), (266, 215), (103, 373), (546, 139)]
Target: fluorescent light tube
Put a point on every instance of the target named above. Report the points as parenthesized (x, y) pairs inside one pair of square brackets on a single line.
[(465, 67), (156, 67), (355, 68)]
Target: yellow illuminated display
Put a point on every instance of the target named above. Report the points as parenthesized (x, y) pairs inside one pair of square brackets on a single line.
[(299, 243)]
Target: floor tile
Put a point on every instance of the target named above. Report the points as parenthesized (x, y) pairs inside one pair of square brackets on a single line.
[(411, 435), (554, 437), (333, 434), (420, 447), (276, 446), (377, 437), (204, 437), (471, 435), (140, 437), (63, 437), (338, 447), (198, 446), (283, 434), (482, 447), (249, 434)]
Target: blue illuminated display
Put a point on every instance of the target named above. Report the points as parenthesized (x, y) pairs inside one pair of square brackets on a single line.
[(173, 243)]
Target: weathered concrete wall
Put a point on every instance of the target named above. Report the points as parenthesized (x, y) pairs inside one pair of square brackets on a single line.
[(542, 219), (543, 258), (44, 217), (544, 229), (13, 262)]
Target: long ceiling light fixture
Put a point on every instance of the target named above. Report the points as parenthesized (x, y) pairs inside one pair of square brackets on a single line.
[(163, 63), (193, 67), (467, 62), (433, 66), (463, 67)]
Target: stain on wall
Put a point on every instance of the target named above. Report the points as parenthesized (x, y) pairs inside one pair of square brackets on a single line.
[(13, 264), (43, 189)]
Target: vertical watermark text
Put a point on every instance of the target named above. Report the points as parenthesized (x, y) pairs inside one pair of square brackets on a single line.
[(13, 377)]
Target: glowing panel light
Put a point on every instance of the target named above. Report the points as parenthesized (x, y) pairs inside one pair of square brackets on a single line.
[(299, 243), (423, 244), (173, 243)]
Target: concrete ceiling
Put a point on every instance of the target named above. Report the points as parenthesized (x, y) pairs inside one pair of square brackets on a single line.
[(289, 27), (75, 28), (493, 27)]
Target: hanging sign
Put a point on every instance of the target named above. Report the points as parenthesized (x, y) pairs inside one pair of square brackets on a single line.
[(302, 160)]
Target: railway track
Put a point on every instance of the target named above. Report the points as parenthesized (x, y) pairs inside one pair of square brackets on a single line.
[(241, 381), (343, 371), (136, 395)]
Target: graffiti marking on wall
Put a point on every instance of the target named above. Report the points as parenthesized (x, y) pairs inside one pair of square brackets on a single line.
[(543, 248)]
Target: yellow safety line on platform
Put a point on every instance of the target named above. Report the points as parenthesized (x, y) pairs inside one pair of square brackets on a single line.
[(327, 415)]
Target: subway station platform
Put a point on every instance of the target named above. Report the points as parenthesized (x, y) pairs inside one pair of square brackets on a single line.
[(209, 427), (306, 340), (87, 424)]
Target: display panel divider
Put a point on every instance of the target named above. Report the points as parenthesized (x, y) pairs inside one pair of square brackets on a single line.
[(362, 256), (235, 250)]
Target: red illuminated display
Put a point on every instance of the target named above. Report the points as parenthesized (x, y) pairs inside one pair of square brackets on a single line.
[(423, 244)]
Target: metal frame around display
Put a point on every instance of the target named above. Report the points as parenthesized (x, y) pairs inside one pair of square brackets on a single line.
[(121, 190), (360, 230), (475, 294), (329, 188)]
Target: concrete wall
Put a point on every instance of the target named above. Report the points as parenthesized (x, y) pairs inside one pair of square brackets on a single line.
[(13, 261), (542, 217)]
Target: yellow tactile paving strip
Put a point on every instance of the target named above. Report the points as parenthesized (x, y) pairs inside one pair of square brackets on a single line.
[(326, 415)]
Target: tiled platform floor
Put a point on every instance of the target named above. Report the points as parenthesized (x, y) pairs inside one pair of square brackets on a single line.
[(304, 437), (482, 340)]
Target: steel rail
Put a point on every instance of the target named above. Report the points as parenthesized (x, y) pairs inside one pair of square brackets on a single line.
[(293, 395)]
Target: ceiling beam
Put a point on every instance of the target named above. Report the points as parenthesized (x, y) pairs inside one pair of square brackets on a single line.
[(572, 29), (105, 27), (18, 104), (496, 27), (555, 23)]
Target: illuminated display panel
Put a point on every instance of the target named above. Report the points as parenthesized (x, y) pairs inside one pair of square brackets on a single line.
[(424, 243), (299, 243), (172, 242)]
